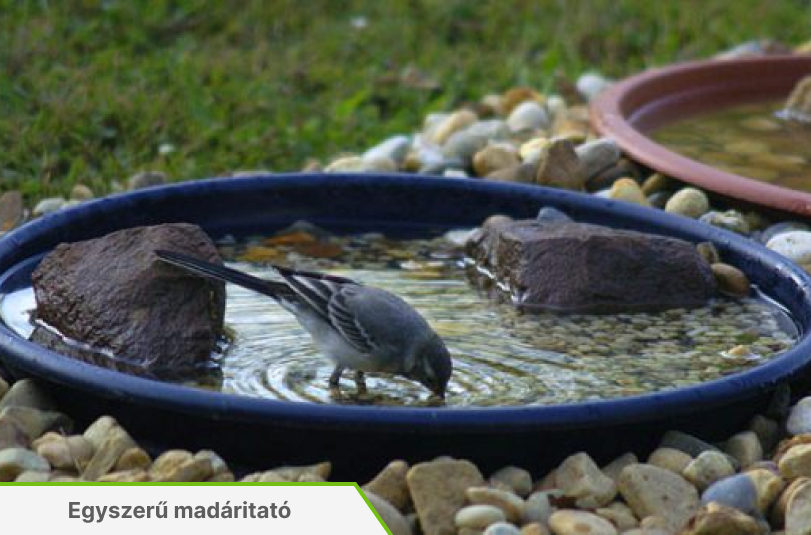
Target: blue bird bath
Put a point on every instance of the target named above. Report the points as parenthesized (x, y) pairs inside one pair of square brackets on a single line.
[(360, 440)]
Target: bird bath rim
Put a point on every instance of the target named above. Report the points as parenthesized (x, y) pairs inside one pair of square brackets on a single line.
[(22, 246)]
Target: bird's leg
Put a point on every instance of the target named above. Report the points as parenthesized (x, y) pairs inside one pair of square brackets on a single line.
[(360, 382), (334, 382)]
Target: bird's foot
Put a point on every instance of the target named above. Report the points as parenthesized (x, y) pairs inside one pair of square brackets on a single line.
[(335, 394), (360, 383)]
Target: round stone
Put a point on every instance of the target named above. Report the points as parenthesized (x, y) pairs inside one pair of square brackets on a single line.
[(738, 491), (626, 189), (502, 528), (794, 245), (478, 516), (570, 521), (689, 202), (731, 280), (799, 419), (708, 468)]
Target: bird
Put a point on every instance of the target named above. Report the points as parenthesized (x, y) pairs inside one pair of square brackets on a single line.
[(358, 327)]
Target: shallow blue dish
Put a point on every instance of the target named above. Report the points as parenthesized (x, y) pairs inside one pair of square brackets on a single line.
[(360, 440)]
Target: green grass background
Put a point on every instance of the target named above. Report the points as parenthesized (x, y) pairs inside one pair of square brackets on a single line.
[(90, 90)]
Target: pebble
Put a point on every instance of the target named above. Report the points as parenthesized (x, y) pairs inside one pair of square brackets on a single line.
[(794, 245), (478, 516), (670, 459), (132, 459), (510, 504), (71, 453), (522, 173), (650, 490), (393, 518), (777, 514), (451, 124), (80, 192), (390, 484), (614, 468), (718, 519), (731, 220), (33, 476), (580, 478), (180, 465), (656, 183), (321, 470), (538, 508), (358, 164), (571, 522), (620, 515), (731, 280), (799, 418), (738, 491), (745, 447), (687, 443), (12, 210), (115, 442), (598, 155), (48, 205), (528, 116), (463, 146), (559, 166), (589, 85), (534, 529), (768, 486), (14, 461), (513, 478), (708, 252), (518, 95), (531, 150), (36, 422), (548, 214), (394, 149), (798, 511), (12, 435), (146, 179), (502, 528), (708, 468), (689, 202), (796, 462), (438, 491), (767, 431), (627, 189), (781, 228), (494, 157), (136, 475)]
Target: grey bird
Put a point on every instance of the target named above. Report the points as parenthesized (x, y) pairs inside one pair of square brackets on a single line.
[(358, 327)]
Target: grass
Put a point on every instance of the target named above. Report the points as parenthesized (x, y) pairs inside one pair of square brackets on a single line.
[(94, 91)]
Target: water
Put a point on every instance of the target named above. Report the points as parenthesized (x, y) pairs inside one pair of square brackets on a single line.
[(501, 356), (749, 140)]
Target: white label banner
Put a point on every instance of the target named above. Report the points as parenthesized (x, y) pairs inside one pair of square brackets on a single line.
[(156, 509)]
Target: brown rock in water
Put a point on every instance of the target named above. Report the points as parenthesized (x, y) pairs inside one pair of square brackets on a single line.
[(115, 295), (576, 267)]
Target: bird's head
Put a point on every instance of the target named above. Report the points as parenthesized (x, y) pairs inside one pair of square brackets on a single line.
[(432, 366)]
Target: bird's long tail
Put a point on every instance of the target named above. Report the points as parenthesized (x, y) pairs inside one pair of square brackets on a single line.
[(276, 290)]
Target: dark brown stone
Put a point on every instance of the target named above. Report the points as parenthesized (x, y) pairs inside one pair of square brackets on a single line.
[(115, 295), (575, 267)]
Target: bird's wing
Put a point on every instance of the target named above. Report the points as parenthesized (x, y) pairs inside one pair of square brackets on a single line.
[(329, 297), (345, 321)]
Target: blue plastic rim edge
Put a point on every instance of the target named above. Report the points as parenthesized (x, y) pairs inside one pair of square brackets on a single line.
[(791, 284)]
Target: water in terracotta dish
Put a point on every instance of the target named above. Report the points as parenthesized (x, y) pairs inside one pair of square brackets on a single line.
[(501, 356), (766, 141)]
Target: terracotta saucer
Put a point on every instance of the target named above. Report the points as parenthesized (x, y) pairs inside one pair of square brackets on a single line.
[(634, 107)]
